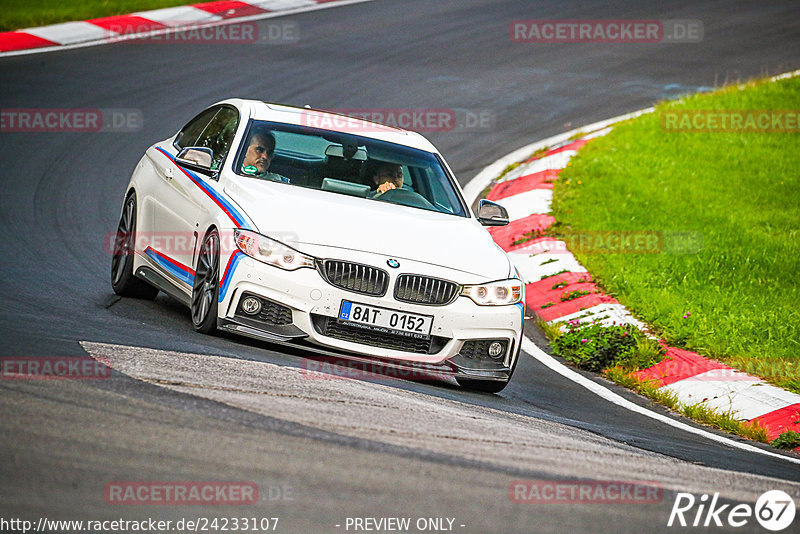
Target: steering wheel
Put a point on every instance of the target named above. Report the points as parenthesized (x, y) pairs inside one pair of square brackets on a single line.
[(405, 197)]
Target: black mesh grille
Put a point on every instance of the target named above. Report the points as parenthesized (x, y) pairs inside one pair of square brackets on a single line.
[(418, 289), (355, 277), (329, 326), (478, 349), (271, 312)]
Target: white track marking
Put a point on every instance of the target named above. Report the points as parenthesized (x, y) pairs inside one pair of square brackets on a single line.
[(280, 5), (179, 16), (728, 390), (533, 268), (531, 202), (69, 32), (607, 313)]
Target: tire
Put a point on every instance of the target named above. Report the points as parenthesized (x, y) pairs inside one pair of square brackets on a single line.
[(124, 283), (205, 291)]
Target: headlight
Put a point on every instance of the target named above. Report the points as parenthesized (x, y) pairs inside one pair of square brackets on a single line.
[(270, 251), (495, 293)]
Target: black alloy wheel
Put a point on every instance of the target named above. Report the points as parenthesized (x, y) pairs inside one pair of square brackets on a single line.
[(123, 281), (205, 290)]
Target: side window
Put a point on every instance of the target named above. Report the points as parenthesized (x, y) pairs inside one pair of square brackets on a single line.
[(219, 133), (189, 134)]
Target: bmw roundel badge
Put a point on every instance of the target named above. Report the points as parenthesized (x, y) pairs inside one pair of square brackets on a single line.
[(393, 263)]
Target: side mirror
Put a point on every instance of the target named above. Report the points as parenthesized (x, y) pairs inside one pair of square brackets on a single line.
[(492, 214), (197, 159)]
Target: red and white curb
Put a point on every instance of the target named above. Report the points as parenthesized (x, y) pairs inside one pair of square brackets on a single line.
[(152, 23), (549, 270)]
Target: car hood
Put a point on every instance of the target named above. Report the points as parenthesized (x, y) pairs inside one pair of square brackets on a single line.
[(299, 216)]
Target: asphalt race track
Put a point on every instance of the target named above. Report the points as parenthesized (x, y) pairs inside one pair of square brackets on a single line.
[(185, 407)]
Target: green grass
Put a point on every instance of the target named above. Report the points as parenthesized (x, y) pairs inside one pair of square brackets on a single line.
[(728, 206), (595, 347), (551, 330), (18, 14), (572, 295), (787, 440)]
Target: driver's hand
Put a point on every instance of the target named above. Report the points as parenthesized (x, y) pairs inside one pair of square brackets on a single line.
[(385, 186)]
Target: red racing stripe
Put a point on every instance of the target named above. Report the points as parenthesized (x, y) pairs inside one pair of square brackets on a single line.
[(228, 266), (174, 262)]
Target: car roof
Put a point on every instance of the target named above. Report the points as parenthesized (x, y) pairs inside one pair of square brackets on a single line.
[(326, 120)]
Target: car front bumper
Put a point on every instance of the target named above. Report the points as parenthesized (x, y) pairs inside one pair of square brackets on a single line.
[(304, 308)]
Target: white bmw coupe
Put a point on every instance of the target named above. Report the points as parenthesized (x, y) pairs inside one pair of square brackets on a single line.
[(313, 229)]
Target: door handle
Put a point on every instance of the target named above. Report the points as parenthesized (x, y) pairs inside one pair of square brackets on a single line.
[(168, 173)]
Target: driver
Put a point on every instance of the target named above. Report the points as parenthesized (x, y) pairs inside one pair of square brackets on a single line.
[(386, 176), (259, 155)]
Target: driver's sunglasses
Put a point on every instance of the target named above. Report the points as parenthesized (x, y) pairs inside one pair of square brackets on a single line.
[(261, 150)]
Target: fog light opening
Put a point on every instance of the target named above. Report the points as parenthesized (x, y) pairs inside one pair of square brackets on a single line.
[(496, 349), (251, 305)]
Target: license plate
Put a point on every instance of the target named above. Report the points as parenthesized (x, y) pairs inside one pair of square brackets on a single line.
[(385, 320)]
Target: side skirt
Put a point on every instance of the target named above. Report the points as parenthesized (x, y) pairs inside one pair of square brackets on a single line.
[(155, 279)]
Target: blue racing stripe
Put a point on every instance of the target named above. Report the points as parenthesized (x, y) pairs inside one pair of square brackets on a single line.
[(226, 278), (182, 273)]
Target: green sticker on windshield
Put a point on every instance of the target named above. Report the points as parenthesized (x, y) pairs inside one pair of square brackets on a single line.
[(250, 169)]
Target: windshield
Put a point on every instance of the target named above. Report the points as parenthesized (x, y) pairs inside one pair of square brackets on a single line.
[(348, 164)]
